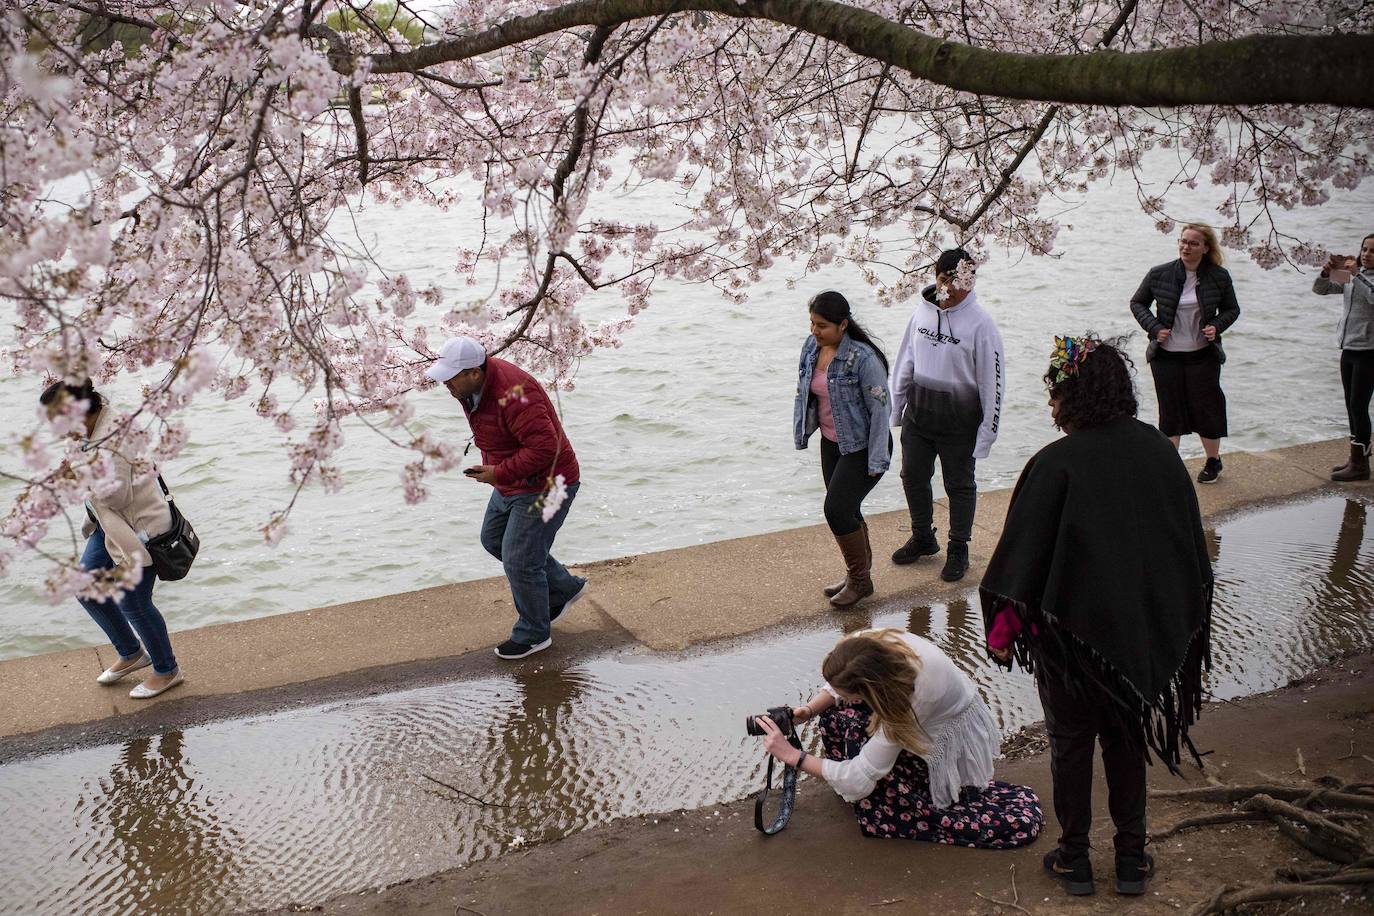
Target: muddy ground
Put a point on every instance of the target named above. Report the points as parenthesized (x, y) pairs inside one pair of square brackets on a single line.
[(712, 861)]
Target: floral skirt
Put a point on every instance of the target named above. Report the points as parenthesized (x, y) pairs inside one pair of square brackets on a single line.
[(996, 816)]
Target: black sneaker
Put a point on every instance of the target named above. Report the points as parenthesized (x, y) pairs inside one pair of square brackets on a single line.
[(956, 561), (569, 603), (1076, 878), (922, 543), (1132, 875), (1210, 471), (510, 649)]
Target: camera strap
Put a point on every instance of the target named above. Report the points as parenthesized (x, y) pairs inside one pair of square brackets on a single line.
[(789, 793)]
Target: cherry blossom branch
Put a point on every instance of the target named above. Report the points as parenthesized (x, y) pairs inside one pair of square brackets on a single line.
[(1257, 69)]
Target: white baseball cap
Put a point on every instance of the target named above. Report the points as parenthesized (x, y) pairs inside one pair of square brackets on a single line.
[(457, 354)]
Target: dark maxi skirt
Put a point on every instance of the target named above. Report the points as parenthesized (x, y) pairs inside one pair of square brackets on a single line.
[(998, 816), (1188, 388)]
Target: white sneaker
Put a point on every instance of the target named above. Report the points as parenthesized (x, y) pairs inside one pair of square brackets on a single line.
[(143, 692), (112, 675)]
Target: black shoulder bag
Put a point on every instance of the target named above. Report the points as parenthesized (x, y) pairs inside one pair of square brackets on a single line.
[(175, 549)]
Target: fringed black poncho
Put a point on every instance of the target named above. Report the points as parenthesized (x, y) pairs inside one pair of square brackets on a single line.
[(1104, 559)]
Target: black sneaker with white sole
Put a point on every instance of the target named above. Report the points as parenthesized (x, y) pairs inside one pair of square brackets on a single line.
[(511, 649), (570, 602), (1210, 471)]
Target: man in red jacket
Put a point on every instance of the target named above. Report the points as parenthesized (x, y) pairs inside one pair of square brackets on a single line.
[(529, 462)]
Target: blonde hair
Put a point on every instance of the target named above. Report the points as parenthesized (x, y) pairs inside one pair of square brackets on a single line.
[(1209, 235), (881, 669)]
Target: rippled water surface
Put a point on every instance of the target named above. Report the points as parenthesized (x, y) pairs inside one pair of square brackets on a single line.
[(684, 435), (302, 805)]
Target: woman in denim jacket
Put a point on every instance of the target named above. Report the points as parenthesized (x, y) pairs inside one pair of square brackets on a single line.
[(842, 391)]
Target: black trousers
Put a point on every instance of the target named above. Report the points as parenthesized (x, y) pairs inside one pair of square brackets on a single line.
[(1074, 727), (847, 482), (1357, 378), (1188, 389), (920, 448)]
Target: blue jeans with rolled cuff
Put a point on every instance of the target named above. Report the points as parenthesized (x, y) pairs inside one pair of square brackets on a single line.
[(132, 613), (514, 532)]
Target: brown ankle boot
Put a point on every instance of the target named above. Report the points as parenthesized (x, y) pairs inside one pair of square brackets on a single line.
[(858, 558), (1342, 467), (1358, 466), (832, 590)]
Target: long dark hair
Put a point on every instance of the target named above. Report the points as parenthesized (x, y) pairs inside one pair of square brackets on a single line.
[(1099, 391), (834, 308), (83, 392)]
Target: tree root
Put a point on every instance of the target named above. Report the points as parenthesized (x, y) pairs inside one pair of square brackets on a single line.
[(1321, 870), (1314, 843), (1312, 821), (1286, 793), (1229, 898), (1209, 820), (1327, 835)]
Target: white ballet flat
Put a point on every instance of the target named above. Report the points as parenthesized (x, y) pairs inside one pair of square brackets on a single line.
[(110, 675), (147, 693)]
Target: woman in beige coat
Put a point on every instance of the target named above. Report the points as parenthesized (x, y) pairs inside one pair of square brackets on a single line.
[(118, 526)]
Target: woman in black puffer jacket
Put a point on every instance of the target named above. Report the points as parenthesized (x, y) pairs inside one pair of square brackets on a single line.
[(1194, 302)]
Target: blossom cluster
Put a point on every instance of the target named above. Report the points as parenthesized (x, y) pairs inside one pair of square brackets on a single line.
[(174, 172)]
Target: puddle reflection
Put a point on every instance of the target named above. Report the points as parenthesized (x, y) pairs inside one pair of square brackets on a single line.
[(303, 805)]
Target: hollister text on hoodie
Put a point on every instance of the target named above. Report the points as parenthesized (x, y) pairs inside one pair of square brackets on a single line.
[(948, 374)]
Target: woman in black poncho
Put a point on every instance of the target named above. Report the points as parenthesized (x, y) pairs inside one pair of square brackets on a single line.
[(1102, 587)]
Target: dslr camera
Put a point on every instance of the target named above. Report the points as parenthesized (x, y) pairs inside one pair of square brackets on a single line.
[(781, 716)]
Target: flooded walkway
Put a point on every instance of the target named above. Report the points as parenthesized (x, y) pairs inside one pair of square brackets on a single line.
[(304, 804)]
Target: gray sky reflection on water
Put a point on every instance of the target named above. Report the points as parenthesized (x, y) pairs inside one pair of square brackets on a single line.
[(301, 805)]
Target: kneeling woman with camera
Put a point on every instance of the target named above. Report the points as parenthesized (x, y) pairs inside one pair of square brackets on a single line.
[(910, 744)]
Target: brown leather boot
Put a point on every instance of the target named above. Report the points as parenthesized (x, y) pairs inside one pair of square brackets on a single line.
[(858, 558), (1358, 468), (1342, 467), (832, 590)]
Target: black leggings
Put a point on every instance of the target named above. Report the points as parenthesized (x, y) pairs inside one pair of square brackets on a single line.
[(847, 482), (1357, 378)]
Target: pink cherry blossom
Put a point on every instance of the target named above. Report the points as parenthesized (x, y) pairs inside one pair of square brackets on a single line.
[(178, 200)]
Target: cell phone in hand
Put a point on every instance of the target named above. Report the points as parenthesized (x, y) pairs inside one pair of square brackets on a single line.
[(472, 471)]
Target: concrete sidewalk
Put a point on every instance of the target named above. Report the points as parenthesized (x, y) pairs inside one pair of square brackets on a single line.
[(667, 600)]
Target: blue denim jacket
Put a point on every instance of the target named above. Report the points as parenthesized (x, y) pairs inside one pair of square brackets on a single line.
[(859, 401)]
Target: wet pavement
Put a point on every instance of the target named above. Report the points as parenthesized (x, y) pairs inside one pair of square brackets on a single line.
[(304, 804)]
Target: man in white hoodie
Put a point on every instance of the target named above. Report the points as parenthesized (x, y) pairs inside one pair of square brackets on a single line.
[(947, 383)]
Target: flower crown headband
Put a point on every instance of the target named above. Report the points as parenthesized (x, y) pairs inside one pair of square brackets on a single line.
[(1069, 353)]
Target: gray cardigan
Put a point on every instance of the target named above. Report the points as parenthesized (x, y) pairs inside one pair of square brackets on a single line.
[(1357, 317), (1163, 284)]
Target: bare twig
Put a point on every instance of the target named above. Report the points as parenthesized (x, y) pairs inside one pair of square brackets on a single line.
[(467, 795), (1014, 902)]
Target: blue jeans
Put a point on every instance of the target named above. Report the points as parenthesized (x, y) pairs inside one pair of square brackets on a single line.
[(132, 613), (515, 532)]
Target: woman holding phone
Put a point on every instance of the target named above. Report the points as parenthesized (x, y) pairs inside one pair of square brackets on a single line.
[(1353, 279), (842, 391)]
